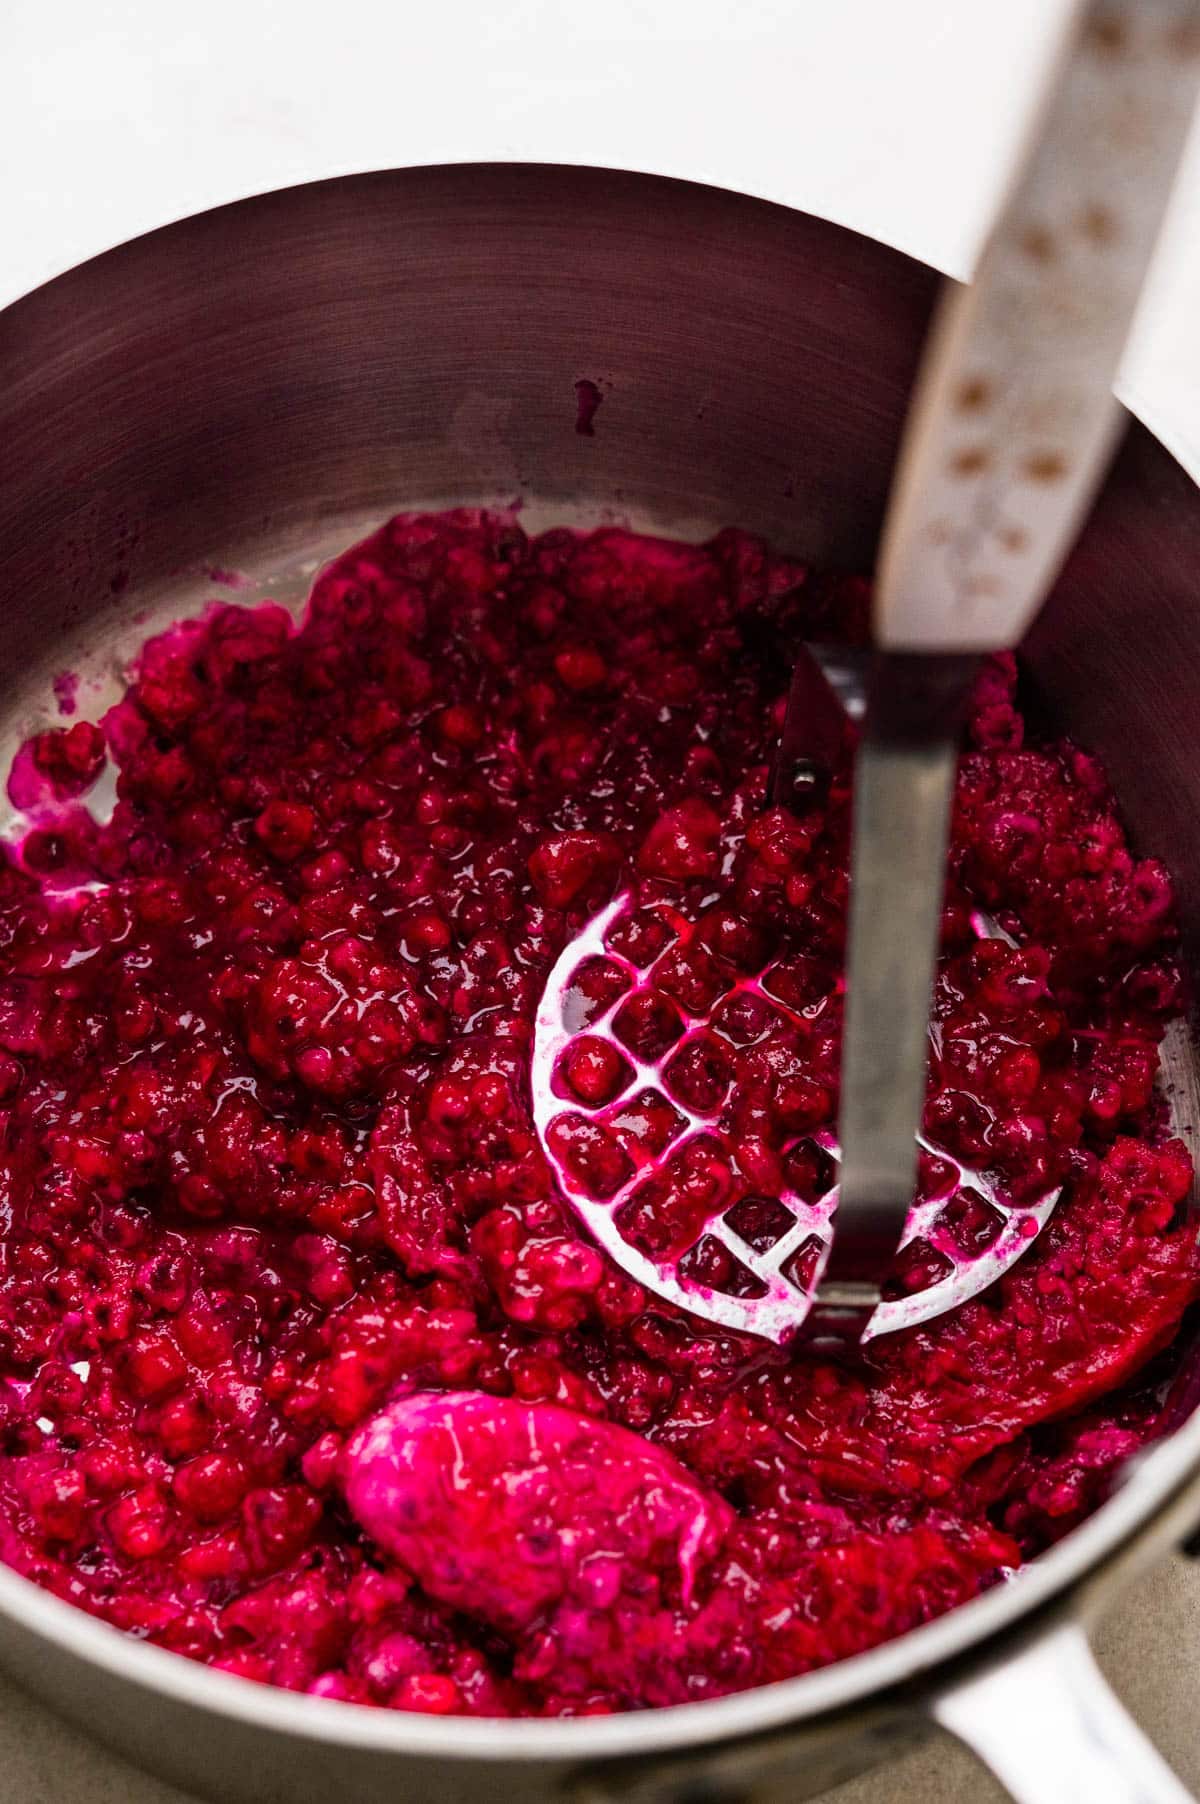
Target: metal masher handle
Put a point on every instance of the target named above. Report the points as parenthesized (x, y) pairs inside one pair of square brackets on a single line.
[(1012, 426)]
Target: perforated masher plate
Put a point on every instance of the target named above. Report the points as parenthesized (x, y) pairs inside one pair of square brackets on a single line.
[(777, 1282)]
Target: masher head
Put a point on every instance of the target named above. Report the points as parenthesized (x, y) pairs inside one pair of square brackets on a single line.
[(630, 1141)]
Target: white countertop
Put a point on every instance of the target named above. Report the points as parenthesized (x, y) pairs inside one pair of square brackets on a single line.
[(894, 116)]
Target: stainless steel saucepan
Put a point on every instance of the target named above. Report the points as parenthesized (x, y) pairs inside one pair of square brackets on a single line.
[(251, 387)]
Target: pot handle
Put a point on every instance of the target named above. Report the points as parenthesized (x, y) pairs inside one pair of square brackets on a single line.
[(1049, 1727)]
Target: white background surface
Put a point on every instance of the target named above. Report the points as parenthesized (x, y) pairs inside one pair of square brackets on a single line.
[(897, 117)]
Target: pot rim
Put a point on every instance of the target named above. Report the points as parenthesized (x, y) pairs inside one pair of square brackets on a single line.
[(1152, 1483)]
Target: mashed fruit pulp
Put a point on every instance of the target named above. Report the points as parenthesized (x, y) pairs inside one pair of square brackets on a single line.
[(308, 1371)]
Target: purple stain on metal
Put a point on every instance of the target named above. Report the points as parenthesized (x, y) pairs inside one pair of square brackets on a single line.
[(587, 402), (66, 691)]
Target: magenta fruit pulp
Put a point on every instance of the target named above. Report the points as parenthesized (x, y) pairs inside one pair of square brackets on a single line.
[(274, 1192)]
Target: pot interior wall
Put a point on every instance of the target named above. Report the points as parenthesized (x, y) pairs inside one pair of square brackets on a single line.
[(237, 383)]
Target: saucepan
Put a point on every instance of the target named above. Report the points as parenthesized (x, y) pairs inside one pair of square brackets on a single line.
[(251, 387)]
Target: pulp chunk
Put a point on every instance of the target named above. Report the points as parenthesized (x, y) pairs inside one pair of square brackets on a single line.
[(507, 1510)]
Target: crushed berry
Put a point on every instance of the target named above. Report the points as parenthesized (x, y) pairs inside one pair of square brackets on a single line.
[(309, 1372)]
